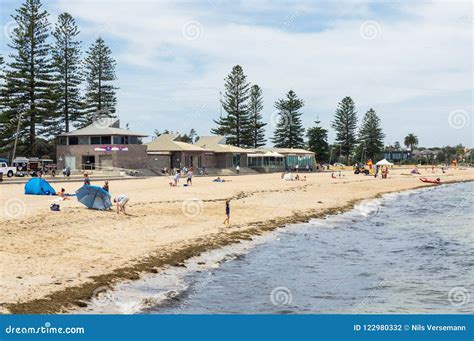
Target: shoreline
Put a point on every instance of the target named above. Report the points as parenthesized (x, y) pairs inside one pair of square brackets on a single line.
[(79, 296)]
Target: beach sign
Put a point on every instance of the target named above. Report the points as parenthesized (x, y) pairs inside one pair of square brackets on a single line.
[(111, 149)]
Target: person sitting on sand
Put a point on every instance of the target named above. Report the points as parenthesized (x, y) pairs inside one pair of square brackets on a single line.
[(415, 171), (333, 176), (227, 213), (62, 194), (297, 177), (304, 178), (87, 181), (121, 200), (106, 186)]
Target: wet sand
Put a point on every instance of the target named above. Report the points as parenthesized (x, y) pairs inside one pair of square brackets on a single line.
[(52, 261)]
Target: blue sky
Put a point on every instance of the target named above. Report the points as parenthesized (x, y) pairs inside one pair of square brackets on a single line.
[(411, 61)]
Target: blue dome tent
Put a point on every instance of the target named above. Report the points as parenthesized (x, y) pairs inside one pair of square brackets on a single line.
[(39, 186), (94, 197)]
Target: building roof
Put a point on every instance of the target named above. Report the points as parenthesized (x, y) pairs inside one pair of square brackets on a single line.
[(424, 152), (103, 127), (267, 154), (217, 145), (284, 151), (167, 143)]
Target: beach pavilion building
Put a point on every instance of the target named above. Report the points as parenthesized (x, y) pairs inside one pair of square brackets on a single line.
[(222, 155), (101, 145), (166, 152), (280, 159)]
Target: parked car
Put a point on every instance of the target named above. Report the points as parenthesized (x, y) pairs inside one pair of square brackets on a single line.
[(338, 164), (6, 170)]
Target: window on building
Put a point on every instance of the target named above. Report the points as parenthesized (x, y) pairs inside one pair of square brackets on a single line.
[(117, 139), (236, 160), (73, 140), (83, 139), (95, 139), (62, 140), (132, 140), (105, 139)]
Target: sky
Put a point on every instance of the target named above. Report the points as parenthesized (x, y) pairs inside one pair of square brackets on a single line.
[(409, 60)]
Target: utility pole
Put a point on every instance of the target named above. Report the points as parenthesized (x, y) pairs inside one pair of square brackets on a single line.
[(16, 137)]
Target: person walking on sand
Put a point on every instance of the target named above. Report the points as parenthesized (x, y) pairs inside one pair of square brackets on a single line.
[(237, 168), (227, 213), (121, 200), (190, 175), (87, 181), (176, 178)]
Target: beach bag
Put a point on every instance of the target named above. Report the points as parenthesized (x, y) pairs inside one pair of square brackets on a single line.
[(55, 207)]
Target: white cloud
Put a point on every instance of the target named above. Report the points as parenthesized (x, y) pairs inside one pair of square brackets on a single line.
[(423, 53)]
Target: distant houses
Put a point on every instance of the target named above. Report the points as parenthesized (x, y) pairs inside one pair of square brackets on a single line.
[(397, 155), (105, 146)]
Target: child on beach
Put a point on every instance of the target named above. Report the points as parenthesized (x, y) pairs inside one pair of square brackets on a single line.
[(87, 181), (176, 178), (121, 200), (106, 186), (62, 195), (227, 213), (190, 175)]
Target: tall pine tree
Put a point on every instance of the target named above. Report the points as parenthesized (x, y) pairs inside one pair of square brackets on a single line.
[(371, 135), (67, 63), (29, 77), (235, 125), (256, 126), (289, 131), (318, 142), (100, 99), (345, 124)]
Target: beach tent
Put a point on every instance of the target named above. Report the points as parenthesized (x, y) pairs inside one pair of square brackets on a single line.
[(384, 162), (39, 186), (94, 197)]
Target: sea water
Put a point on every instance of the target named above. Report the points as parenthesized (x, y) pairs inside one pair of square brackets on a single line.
[(410, 252)]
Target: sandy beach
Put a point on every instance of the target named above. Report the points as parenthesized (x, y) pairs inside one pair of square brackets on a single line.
[(52, 261)]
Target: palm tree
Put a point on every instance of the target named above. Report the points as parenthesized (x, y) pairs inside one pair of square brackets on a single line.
[(411, 141)]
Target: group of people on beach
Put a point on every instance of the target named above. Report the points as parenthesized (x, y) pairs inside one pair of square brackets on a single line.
[(120, 200), (176, 176)]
